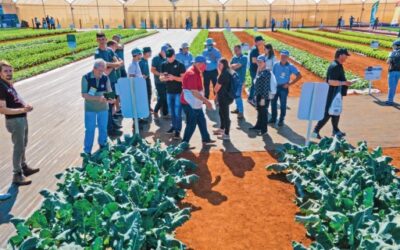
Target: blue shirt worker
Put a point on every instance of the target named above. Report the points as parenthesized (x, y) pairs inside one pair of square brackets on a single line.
[(273, 23), (160, 86), (283, 71), (239, 64), (257, 50), (134, 68), (95, 85), (184, 56), (394, 72), (120, 53), (145, 69), (212, 56)]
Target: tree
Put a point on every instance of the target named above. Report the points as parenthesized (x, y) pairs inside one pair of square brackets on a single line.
[(208, 22), (255, 21), (237, 23), (217, 20), (199, 22), (160, 22)]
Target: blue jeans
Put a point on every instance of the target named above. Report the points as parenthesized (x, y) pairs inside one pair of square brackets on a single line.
[(195, 117), (252, 89), (394, 78), (93, 119), (281, 94), (175, 109), (239, 100)]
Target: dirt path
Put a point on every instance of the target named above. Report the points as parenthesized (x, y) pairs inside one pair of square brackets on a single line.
[(307, 75), (395, 154), (239, 205), (356, 63)]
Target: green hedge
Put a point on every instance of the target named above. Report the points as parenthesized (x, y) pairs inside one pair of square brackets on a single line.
[(14, 34), (367, 35)]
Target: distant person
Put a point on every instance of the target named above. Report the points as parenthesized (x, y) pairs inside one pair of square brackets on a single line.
[(338, 83), (283, 70), (284, 23), (48, 22), (394, 72), (270, 58), (273, 23), (171, 74), (37, 23), (211, 73), (52, 23), (184, 56), (257, 50), (145, 68), (288, 24), (44, 23), (239, 64), (156, 63), (265, 90), (15, 109), (120, 53), (113, 64), (192, 100), (187, 24), (223, 90), (351, 22), (93, 87), (339, 23), (376, 23)]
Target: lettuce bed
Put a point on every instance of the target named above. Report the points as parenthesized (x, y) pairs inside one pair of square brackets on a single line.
[(349, 197), (124, 197), (197, 45), (14, 34)]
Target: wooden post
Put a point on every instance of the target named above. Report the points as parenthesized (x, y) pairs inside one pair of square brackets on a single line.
[(98, 13)]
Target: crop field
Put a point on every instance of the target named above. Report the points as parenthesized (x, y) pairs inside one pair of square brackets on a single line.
[(148, 191)]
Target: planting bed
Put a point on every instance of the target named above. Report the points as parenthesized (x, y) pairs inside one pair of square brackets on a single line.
[(356, 63), (7, 35), (307, 75)]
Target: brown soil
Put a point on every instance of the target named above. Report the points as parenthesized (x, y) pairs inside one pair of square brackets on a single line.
[(395, 154), (307, 75), (239, 205), (356, 63)]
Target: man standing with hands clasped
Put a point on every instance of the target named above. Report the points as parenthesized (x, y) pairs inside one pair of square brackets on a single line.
[(283, 70), (338, 84), (15, 110), (212, 56)]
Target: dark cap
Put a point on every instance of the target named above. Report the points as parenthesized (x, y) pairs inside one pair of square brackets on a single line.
[(341, 51), (396, 43), (146, 50), (170, 52), (258, 38)]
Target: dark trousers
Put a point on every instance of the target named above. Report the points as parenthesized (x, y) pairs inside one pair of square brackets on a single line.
[(252, 89), (273, 27), (195, 117), (161, 99), (209, 76), (327, 116), (149, 91), (281, 94), (123, 72), (224, 116), (262, 115)]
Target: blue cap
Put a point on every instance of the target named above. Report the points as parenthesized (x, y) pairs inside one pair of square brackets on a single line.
[(136, 51), (285, 52), (261, 58), (396, 43), (209, 42), (164, 48), (200, 59)]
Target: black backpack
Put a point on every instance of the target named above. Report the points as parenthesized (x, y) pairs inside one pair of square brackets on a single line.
[(395, 61)]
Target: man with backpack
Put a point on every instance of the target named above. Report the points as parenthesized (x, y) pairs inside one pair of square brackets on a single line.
[(394, 72), (239, 65)]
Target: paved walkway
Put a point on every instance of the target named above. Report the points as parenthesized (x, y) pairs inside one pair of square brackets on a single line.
[(56, 128)]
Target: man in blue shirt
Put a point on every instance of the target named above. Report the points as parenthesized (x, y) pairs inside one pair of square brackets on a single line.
[(144, 67), (212, 56), (120, 54), (257, 50), (273, 23), (184, 56), (239, 64), (283, 70)]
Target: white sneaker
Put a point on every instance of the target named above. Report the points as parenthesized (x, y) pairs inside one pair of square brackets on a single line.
[(224, 137)]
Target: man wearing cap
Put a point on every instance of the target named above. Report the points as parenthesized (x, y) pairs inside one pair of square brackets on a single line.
[(394, 71), (212, 56), (283, 70), (134, 67), (337, 81), (171, 74), (257, 50), (160, 86), (120, 53), (239, 64), (144, 68), (192, 100), (184, 56)]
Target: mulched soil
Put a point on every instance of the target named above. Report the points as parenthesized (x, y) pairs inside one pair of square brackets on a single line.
[(307, 75), (239, 205), (356, 63), (395, 154)]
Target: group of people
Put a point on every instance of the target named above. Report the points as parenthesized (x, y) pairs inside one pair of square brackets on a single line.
[(47, 22), (188, 24), (286, 24)]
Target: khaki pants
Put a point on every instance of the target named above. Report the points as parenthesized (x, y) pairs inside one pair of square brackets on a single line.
[(18, 127)]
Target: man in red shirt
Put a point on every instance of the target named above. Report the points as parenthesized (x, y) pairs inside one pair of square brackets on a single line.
[(192, 99)]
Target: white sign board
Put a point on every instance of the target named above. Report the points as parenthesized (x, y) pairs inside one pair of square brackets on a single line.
[(374, 44), (373, 73), (313, 101), (133, 96)]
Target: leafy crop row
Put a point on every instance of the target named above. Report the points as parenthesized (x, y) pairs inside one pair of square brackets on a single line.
[(197, 45), (124, 197), (349, 197), (367, 35), (315, 64), (344, 37), (379, 54), (14, 34)]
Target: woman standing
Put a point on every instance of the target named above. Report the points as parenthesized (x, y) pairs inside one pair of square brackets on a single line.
[(265, 89), (225, 97), (270, 58)]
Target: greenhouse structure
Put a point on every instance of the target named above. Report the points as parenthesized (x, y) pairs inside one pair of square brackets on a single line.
[(204, 13)]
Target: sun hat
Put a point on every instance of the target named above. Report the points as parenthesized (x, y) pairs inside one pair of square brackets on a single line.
[(261, 58), (199, 59), (209, 42), (185, 46), (136, 51), (285, 52)]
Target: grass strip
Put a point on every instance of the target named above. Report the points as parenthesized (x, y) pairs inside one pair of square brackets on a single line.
[(197, 45), (15, 34)]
